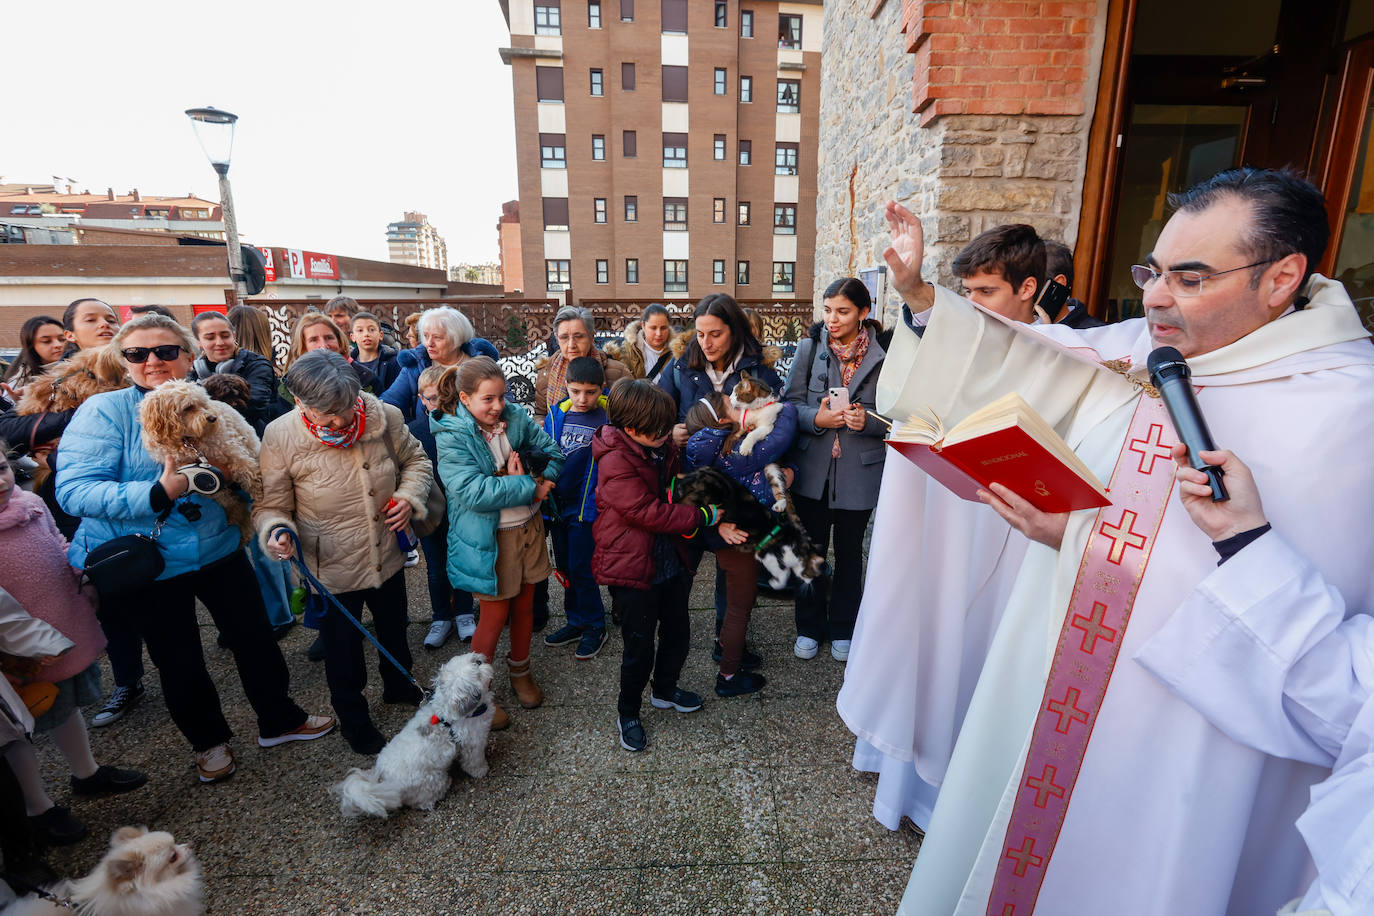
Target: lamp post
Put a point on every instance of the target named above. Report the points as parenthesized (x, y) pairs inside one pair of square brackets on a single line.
[(215, 133)]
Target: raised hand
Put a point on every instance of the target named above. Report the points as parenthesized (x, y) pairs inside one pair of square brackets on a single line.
[(904, 257)]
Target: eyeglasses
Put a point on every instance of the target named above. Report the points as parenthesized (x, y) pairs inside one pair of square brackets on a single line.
[(1182, 283), (166, 353)]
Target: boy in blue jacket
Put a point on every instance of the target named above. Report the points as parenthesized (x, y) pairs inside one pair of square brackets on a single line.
[(572, 424)]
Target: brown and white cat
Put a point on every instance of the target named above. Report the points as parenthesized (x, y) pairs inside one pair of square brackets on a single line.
[(758, 408), (144, 874)]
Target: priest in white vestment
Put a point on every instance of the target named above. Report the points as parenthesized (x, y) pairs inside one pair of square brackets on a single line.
[(1160, 811)]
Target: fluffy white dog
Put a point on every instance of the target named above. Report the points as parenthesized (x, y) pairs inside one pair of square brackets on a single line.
[(413, 769)]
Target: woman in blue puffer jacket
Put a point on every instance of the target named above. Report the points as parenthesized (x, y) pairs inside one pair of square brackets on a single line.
[(447, 338), (107, 478)]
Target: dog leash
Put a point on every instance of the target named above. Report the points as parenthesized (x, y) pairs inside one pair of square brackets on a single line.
[(299, 559), (21, 887)]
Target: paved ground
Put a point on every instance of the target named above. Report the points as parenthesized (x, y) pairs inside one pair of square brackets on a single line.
[(748, 806)]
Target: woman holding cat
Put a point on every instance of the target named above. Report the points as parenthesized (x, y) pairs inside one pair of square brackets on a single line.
[(838, 458)]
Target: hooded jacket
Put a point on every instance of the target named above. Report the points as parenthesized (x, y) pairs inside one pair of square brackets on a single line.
[(405, 391), (576, 490), (388, 369), (613, 369), (628, 351), (632, 508), (687, 385), (256, 370)]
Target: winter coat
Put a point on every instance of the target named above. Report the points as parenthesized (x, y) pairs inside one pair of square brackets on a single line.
[(335, 498), (256, 370), (24, 636), (704, 450), (628, 352), (106, 478), (613, 369), (34, 570), (853, 478), (576, 490), (687, 385), (632, 509), (387, 368), (476, 495), (405, 391)]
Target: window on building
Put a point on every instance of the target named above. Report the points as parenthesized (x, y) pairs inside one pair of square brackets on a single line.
[(784, 274), (720, 81), (675, 276), (555, 213), (784, 219), (718, 272), (594, 14), (631, 208), (603, 271), (553, 153), (598, 82), (789, 31), (789, 96), (598, 147), (674, 84), (675, 214), (598, 209), (627, 77), (632, 270), (548, 83), (744, 213), (674, 15), (746, 89), (557, 275), (746, 152), (627, 10), (746, 23), (546, 18), (722, 14), (742, 273), (719, 149), (629, 140), (675, 151), (785, 159), (718, 210)]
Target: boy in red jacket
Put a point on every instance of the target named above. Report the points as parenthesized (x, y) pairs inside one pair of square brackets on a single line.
[(637, 532)]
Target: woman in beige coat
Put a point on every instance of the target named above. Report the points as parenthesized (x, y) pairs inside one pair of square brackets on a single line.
[(328, 476)]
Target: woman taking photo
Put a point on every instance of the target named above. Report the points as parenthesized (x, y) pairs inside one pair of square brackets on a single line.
[(644, 350), (330, 476), (575, 334), (838, 458), (220, 352), (41, 342), (107, 479)]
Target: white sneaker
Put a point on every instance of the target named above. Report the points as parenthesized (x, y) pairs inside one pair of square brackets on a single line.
[(806, 647), (412, 559), (839, 650), (467, 625), (439, 632)]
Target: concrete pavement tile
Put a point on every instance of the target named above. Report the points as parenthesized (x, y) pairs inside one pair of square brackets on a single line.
[(288, 895), (595, 681), (825, 812), (712, 816), (569, 741), (591, 821), (715, 890), (720, 735), (862, 888), (804, 730), (594, 892), (792, 676)]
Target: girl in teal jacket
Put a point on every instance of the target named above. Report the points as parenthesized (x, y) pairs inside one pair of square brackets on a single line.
[(496, 546)]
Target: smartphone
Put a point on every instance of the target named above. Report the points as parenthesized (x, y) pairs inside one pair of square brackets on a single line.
[(839, 398)]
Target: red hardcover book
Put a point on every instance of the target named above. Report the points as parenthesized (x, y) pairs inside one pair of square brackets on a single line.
[(1008, 443)]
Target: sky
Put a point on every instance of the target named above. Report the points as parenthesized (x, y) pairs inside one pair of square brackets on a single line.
[(349, 112)]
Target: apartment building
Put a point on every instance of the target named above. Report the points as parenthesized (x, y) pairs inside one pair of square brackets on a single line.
[(412, 240), (666, 148), (44, 206)]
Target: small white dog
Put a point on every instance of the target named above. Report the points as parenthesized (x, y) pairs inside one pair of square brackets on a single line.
[(413, 769), (143, 874)]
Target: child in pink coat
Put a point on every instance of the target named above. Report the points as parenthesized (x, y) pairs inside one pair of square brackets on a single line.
[(34, 570)]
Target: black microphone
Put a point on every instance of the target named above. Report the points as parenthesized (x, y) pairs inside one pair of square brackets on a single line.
[(1170, 374)]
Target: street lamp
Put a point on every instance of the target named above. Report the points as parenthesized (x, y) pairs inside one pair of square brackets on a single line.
[(215, 133)]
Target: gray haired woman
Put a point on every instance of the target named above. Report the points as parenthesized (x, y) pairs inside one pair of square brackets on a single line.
[(575, 333), (344, 475)]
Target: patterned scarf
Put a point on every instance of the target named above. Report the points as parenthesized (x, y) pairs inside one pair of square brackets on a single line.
[(558, 377), (340, 438), (850, 356)]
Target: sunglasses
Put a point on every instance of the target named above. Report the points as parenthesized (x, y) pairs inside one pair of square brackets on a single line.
[(166, 353)]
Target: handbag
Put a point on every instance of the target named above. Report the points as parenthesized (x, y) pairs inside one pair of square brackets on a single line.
[(126, 564), (435, 504)]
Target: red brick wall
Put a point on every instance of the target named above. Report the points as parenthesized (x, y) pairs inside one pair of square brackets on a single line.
[(999, 57)]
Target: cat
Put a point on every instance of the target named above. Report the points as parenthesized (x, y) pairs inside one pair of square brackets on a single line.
[(758, 408)]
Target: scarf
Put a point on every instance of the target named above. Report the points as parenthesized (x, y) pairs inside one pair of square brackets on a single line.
[(850, 356), (340, 438)]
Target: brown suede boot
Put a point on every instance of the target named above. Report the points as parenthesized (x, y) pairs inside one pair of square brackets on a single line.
[(526, 690), (499, 720)]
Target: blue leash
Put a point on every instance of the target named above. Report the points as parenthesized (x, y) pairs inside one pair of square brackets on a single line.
[(317, 585)]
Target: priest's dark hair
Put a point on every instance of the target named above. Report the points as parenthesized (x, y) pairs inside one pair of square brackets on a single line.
[(1288, 213), (1014, 251)]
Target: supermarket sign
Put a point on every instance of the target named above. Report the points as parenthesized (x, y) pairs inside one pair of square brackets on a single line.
[(311, 265)]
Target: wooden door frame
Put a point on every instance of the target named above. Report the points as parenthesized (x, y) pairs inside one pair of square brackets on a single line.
[(1335, 169)]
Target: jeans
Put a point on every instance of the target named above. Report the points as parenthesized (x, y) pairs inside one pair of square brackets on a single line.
[(661, 608), (345, 664), (572, 551), (829, 607), (164, 614), (272, 581), (445, 601)]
